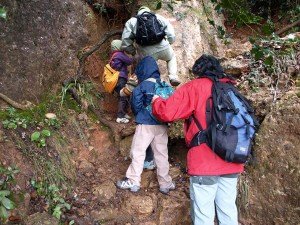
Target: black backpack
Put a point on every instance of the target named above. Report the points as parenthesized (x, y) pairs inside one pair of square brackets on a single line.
[(149, 30), (231, 123)]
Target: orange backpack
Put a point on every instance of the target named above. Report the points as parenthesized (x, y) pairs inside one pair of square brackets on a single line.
[(110, 77)]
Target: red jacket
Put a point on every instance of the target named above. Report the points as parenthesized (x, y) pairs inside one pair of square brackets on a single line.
[(188, 99)]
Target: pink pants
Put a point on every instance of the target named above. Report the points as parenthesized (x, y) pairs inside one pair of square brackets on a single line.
[(157, 136)]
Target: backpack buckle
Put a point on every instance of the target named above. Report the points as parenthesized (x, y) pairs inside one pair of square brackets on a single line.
[(219, 126)]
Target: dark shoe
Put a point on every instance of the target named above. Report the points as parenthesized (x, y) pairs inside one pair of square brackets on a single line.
[(168, 189), (174, 82)]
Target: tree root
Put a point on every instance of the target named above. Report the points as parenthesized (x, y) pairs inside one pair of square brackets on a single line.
[(286, 28), (118, 132), (16, 105), (83, 55)]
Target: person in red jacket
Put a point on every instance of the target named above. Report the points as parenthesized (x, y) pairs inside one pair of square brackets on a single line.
[(213, 181)]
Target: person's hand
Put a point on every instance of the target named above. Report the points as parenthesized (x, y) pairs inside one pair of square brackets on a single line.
[(154, 97)]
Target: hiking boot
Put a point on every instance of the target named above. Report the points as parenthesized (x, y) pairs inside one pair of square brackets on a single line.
[(122, 120), (174, 82), (127, 116), (168, 189), (149, 165), (127, 184)]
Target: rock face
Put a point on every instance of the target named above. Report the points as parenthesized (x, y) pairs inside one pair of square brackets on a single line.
[(272, 196), (194, 35), (39, 44)]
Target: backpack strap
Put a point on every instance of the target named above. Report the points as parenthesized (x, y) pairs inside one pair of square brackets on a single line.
[(200, 136), (151, 79), (208, 110)]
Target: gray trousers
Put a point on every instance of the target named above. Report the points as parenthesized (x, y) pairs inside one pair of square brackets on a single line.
[(167, 55)]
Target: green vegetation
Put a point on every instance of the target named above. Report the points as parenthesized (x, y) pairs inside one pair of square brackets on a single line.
[(57, 204), (14, 119), (7, 177), (3, 13), (40, 137)]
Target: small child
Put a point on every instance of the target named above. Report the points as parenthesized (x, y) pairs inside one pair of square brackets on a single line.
[(148, 132), (120, 61)]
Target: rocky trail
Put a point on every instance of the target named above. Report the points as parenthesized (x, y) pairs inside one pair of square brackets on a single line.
[(71, 171)]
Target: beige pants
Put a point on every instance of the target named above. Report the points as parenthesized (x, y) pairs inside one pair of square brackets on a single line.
[(157, 136)]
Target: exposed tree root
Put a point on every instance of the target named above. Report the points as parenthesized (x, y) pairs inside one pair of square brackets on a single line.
[(16, 105), (83, 55), (286, 28), (118, 132)]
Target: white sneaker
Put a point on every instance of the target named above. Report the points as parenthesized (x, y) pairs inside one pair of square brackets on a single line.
[(122, 120), (149, 165), (168, 189), (127, 184), (127, 116)]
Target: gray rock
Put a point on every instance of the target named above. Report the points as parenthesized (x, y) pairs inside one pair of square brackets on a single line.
[(105, 191)]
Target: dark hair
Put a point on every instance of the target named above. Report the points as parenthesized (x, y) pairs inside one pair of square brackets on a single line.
[(208, 65)]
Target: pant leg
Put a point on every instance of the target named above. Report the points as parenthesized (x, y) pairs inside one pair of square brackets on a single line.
[(142, 138), (202, 193), (225, 201), (159, 146), (149, 154), (123, 101), (169, 56)]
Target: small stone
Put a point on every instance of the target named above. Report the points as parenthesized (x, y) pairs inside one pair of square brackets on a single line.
[(105, 191), (104, 214), (142, 206), (50, 116), (41, 219), (82, 117), (91, 148), (85, 165)]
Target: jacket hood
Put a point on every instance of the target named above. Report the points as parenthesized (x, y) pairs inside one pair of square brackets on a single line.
[(147, 68), (143, 9)]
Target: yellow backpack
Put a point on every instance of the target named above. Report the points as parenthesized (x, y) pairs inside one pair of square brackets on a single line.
[(110, 78)]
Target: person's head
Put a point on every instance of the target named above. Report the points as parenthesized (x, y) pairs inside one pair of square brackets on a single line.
[(116, 45), (143, 9), (147, 68), (207, 64)]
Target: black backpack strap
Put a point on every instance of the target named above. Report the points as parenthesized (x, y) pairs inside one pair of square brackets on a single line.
[(200, 136), (208, 110)]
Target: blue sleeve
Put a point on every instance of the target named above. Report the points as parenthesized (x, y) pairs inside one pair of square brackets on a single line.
[(137, 100)]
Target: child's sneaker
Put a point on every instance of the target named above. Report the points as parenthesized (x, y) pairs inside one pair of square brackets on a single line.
[(127, 116), (168, 189), (127, 184), (149, 165), (122, 120)]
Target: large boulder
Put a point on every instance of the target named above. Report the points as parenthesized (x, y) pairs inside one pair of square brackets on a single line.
[(39, 43), (194, 34), (271, 187)]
